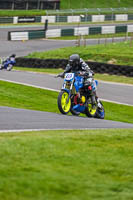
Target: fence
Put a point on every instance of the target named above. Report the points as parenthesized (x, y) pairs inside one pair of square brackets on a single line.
[(89, 11), (29, 4)]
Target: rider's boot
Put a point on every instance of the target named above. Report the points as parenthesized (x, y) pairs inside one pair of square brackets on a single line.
[(98, 103), (78, 94)]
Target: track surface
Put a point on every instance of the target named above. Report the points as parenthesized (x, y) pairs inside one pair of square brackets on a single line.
[(19, 119)]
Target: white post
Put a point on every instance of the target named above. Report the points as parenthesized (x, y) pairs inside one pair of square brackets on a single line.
[(15, 20)]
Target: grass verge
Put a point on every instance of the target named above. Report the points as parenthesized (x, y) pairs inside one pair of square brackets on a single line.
[(28, 13), (94, 36), (117, 53), (39, 70), (67, 4), (12, 13), (68, 165), (20, 96)]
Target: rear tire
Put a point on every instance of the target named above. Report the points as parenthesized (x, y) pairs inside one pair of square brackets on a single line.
[(90, 111), (75, 113), (100, 113), (63, 106)]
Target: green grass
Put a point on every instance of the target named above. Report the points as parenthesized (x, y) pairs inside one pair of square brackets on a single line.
[(9, 25), (11, 13), (68, 4), (20, 96), (39, 70), (103, 77), (119, 53), (117, 112), (114, 78), (67, 165)]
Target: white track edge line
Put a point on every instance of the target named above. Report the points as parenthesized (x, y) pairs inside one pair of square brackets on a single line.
[(30, 130)]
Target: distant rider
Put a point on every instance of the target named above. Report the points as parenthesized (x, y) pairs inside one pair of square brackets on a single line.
[(9, 61)]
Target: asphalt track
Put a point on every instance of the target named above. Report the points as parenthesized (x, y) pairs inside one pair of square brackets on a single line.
[(12, 119)]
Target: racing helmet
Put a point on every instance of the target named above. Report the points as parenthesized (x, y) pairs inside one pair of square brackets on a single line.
[(74, 60), (13, 55)]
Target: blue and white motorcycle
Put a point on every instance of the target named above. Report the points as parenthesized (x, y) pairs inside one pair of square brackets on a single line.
[(76, 96), (7, 63)]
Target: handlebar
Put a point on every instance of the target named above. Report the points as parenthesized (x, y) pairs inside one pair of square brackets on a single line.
[(79, 73), (60, 75)]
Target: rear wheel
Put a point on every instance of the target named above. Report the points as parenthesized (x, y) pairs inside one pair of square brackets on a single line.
[(90, 110), (100, 113), (64, 102), (75, 112)]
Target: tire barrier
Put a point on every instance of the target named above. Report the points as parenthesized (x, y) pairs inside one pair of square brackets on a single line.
[(41, 63), (101, 68)]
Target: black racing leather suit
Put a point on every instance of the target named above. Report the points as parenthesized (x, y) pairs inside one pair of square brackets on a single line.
[(82, 67)]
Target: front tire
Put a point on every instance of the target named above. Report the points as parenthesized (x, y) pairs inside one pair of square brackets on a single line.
[(9, 68), (63, 105)]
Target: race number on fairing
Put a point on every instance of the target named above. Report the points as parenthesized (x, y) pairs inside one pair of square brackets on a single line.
[(69, 76)]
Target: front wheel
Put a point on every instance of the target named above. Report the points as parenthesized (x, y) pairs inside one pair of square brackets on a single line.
[(9, 68), (64, 102), (1, 66)]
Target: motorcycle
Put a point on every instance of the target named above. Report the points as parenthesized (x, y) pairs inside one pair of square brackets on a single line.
[(7, 64), (76, 96)]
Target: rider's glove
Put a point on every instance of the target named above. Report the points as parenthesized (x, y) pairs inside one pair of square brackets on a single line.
[(61, 75)]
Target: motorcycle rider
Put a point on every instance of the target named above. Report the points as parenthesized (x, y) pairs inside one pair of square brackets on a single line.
[(77, 64)]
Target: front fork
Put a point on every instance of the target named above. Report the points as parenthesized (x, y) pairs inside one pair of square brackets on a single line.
[(68, 97), (69, 91)]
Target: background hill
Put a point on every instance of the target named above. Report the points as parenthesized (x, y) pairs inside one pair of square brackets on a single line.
[(74, 4)]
